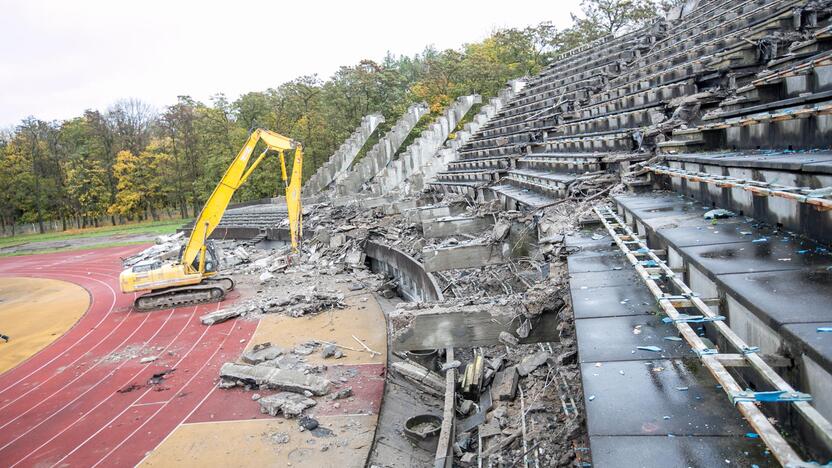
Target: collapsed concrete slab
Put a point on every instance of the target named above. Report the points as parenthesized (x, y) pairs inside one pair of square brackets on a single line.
[(454, 226), (288, 380), (472, 255), (286, 403), (263, 353), (442, 326)]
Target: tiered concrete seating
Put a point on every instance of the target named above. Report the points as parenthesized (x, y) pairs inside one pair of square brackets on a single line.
[(620, 96)]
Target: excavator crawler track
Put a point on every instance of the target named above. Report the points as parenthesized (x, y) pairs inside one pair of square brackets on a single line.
[(210, 290)]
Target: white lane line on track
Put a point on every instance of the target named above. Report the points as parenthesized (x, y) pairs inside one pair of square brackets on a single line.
[(181, 423), (195, 374), (105, 426), (184, 327), (102, 380), (79, 341)]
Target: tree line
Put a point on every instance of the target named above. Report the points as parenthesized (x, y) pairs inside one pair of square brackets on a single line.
[(133, 162)]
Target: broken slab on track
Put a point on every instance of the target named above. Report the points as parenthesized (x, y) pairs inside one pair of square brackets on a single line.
[(286, 403), (271, 377)]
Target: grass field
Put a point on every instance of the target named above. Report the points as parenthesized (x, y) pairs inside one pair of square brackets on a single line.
[(109, 236)]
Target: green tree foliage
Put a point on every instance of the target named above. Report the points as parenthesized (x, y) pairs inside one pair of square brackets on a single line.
[(131, 161)]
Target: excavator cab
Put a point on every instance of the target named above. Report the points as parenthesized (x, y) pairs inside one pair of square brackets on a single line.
[(212, 258)]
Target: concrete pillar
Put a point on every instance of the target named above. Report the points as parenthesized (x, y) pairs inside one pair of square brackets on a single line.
[(382, 153), (344, 156)]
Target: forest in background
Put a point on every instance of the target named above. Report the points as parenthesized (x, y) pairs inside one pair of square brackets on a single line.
[(132, 162)]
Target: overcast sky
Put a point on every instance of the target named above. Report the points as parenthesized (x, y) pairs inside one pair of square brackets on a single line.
[(59, 57)]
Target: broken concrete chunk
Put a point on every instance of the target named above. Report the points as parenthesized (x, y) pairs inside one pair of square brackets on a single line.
[(286, 403), (258, 355), (263, 262), (508, 339), (417, 373), (221, 316), (505, 384), (718, 213), (303, 350), (242, 254), (148, 359), (501, 230), (337, 240), (266, 276), (465, 407), (532, 362), (329, 351), (271, 377), (343, 393), (524, 329), (451, 365), (355, 258)]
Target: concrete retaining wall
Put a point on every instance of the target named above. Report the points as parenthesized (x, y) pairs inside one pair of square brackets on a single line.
[(342, 159), (415, 284), (381, 154), (422, 151)]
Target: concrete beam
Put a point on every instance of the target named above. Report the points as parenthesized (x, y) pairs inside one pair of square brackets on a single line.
[(428, 213), (454, 226), (465, 256), (466, 326)]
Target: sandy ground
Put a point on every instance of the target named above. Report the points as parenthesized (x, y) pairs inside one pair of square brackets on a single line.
[(34, 312)]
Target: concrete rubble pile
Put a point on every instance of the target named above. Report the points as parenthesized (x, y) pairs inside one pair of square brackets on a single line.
[(164, 248), (294, 305), (284, 384)]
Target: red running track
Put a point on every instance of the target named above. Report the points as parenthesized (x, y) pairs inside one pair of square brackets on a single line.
[(75, 403)]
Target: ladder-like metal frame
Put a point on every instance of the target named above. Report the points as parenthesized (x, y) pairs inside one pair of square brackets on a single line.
[(654, 271), (817, 198)]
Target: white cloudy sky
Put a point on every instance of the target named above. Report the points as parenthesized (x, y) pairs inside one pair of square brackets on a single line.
[(59, 57)]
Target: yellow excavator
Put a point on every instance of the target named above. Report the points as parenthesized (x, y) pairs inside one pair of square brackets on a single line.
[(194, 278)]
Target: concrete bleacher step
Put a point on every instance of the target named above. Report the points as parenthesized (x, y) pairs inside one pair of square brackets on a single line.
[(772, 286), (520, 198), (797, 173), (645, 408)]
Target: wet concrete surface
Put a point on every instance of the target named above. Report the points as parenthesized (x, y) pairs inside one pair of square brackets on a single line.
[(646, 408), (599, 279), (720, 233), (618, 339), (782, 297), (750, 257), (598, 261), (682, 452), (646, 397), (591, 302), (785, 281)]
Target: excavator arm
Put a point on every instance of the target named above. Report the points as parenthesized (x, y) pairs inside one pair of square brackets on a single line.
[(193, 256)]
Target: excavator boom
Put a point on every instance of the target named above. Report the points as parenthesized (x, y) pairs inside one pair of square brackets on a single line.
[(234, 177), (193, 279)]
